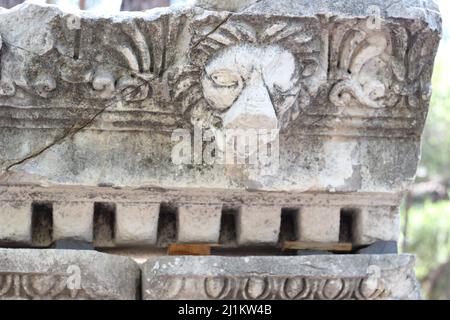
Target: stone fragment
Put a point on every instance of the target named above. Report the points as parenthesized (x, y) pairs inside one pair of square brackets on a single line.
[(327, 277), (265, 64), (230, 5), (66, 275)]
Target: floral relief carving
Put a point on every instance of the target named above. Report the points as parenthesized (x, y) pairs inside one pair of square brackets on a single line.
[(380, 67)]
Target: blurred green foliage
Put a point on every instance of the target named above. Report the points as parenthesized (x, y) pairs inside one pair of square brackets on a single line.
[(429, 239), (429, 235), (429, 223), (436, 141)]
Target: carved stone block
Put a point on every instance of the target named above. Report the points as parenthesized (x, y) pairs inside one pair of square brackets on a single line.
[(258, 225), (375, 224), (319, 224), (73, 220), (361, 277), (15, 222), (345, 94), (199, 223), (118, 129), (136, 223), (66, 275)]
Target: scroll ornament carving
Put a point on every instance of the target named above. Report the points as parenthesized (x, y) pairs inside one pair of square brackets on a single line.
[(41, 286), (364, 70)]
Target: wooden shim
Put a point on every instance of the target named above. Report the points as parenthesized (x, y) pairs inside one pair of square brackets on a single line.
[(189, 250), (320, 246)]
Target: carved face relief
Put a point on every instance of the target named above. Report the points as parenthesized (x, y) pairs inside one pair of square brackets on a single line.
[(251, 87), (249, 76)]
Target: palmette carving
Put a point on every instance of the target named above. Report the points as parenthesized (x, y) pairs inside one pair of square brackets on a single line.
[(381, 67), (271, 287)]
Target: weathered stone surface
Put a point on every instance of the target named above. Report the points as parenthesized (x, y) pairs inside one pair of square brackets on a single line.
[(257, 278), (73, 221), (137, 215), (199, 223), (342, 116), (61, 274), (377, 223), (258, 225), (136, 223), (109, 124), (319, 224), (15, 222)]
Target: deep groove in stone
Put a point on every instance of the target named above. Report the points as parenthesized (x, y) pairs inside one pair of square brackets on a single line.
[(104, 224), (42, 224), (167, 225), (347, 224), (289, 217), (228, 226), (77, 45)]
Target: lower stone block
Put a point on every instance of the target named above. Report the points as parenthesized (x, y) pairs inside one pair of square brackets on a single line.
[(66, 275), (329, 277)]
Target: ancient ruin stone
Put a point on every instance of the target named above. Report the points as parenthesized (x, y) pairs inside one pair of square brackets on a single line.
[(360, 277), (115, 129), (66, 275)]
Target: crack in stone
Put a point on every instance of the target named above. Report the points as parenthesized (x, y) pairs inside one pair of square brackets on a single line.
[(72, 131), (212, 31)]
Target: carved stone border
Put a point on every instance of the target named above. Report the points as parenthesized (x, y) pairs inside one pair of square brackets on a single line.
[(295, 278)]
